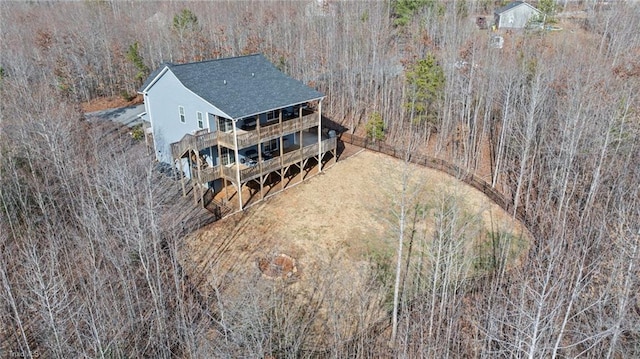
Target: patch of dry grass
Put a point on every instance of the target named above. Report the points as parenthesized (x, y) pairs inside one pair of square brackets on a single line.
[(333, 225)]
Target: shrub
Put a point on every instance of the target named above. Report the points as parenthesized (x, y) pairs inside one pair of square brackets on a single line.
[(375, 127)]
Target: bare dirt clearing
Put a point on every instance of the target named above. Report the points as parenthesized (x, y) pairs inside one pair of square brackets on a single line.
[(104, 103), (334, 225)]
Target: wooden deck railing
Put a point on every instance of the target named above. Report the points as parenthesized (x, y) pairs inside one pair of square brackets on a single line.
[(271, 132), (204, 139), (200, 140), (210, 174), (299, 124), (309, 151), (252, 137), (229, 172), (329, 145), (182, 146), (273, 164), (225, 139)]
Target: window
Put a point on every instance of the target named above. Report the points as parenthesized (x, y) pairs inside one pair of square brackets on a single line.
[(270, 146), (182, 116), (228, 156), (225, 124), (200, 119), (272, 115)]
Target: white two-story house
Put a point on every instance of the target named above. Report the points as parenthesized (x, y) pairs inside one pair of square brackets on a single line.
[(235, 121)]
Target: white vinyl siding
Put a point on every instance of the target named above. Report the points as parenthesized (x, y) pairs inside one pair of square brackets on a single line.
[(165, 97)]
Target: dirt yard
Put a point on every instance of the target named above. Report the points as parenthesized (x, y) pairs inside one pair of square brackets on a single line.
[(333, 225), (104, 103)]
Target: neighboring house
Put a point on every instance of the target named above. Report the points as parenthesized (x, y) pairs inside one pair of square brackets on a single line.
[(234, 120), (516, 15)]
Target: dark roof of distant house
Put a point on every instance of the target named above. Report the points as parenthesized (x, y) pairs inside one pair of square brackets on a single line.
[(240, 86), (511, 5)]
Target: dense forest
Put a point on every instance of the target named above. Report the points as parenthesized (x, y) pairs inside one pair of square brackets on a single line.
[(552, 119)]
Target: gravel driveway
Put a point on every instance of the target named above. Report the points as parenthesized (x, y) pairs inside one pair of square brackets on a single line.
[(129, 116)]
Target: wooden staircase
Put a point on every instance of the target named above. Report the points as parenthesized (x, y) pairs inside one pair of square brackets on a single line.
[(181, 212)]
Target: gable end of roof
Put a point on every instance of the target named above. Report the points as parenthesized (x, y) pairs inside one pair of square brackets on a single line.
[(154, 77), (513, 5)]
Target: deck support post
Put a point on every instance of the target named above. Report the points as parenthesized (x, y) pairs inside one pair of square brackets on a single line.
[(200, 185), (237, 164), (281, 148), (224, 179), (301, 145), (184, 191), (226, 189), (193, 176), (260, 155), (320, 136)]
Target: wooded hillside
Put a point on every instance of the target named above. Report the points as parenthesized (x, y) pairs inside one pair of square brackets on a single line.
[(88, 264)]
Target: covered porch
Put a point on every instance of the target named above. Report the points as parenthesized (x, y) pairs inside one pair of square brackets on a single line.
[(286, 168)]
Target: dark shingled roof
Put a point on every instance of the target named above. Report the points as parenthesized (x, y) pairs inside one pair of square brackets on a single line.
[(241, 86), (508, 7)]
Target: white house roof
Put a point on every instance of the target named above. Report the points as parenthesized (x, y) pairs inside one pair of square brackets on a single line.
[(238, 86)]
